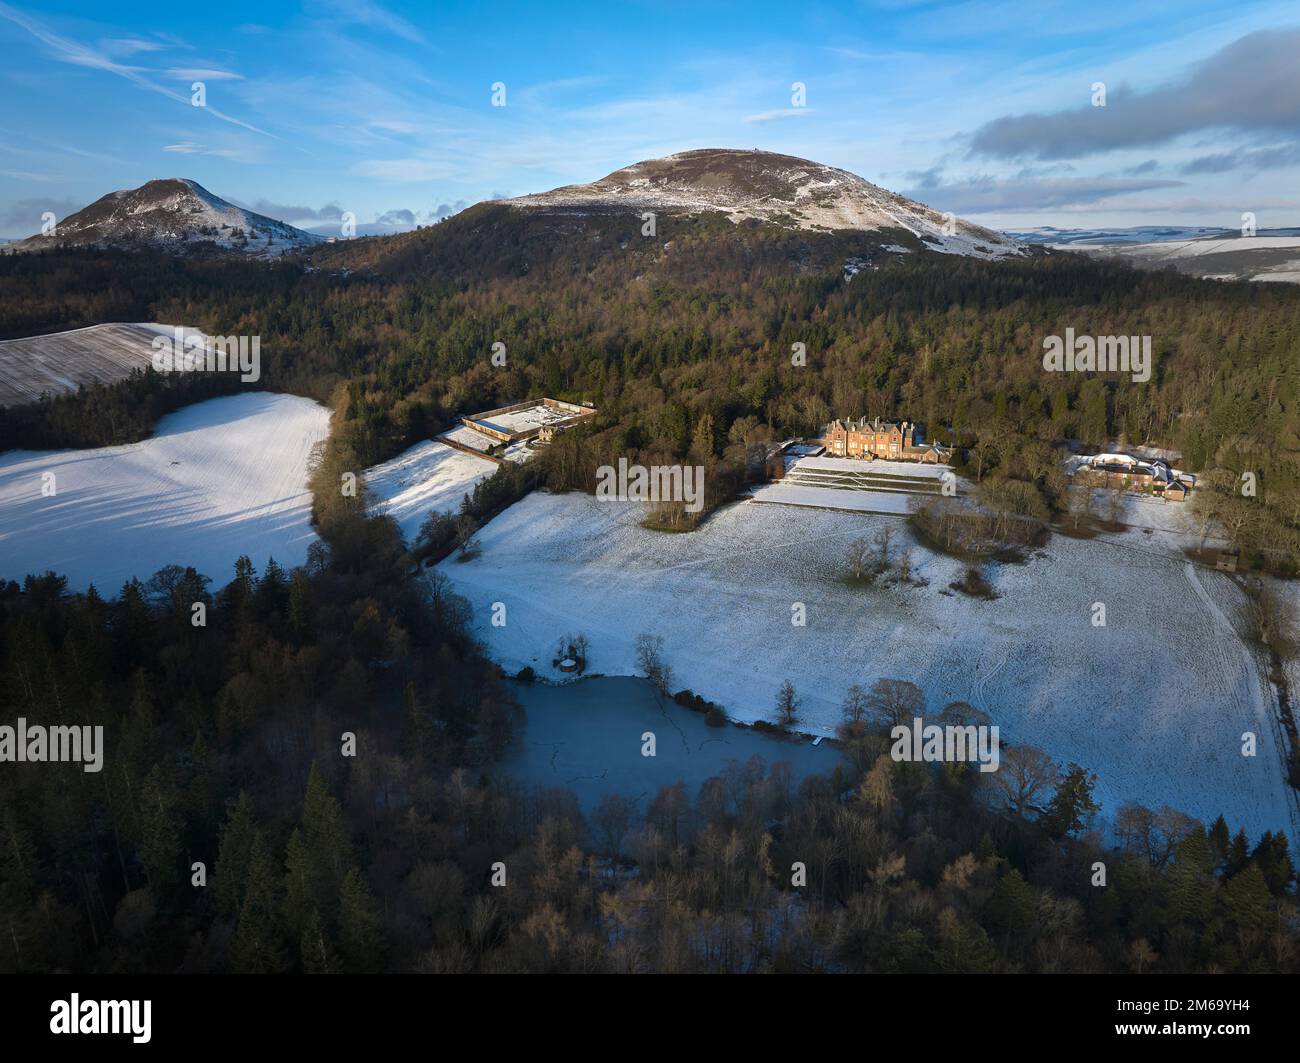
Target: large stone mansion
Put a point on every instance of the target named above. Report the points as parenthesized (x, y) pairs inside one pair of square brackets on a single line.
[(890, 440)]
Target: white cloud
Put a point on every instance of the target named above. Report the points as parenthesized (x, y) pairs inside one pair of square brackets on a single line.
[(188, 147), (203, 73), (404, 169), (784, 112)]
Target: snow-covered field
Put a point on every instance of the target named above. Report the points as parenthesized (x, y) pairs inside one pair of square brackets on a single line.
[(468, 437), (216, 480), (1230, 256), (427, 476), (1155, 701), (1197, 248), (63, 361)]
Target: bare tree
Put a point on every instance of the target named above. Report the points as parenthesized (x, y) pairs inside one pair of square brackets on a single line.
[(882, 549), (1272, 617), (895, 701), (1079, 501), (1023, 773), (854, 710), (612, 820), (1115, 506), (1154, 835), (650, 663), (466, 541), (858, 553), (962, 714), (905, 566), (787, 705)]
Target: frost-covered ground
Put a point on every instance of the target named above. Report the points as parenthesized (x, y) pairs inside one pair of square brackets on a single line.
[(216, 480), (469, 437), (1155, 701), (63, 361), (425, 477)]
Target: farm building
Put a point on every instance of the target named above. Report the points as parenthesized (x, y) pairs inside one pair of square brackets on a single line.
[(527, 420), (509, 429), (1125, 472)]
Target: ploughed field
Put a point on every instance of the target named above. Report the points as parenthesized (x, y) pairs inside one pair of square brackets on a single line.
[(63, 361)]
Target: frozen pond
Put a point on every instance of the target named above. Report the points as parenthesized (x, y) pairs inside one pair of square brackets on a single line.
[(587, 736)]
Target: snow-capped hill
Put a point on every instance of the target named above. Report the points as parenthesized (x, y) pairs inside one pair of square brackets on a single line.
[(175, 213), (769, 187)]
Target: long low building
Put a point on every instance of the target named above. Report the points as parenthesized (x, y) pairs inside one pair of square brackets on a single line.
[(1123, 471), (526, 420), (509, 432)]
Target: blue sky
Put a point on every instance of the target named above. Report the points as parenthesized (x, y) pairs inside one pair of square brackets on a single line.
[(385, 109)]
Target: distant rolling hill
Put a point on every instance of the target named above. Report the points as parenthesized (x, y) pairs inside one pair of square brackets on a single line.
[(175, 214), (1200, 251)]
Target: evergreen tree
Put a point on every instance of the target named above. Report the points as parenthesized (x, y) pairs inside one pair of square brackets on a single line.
[(1273, 857), (1245, 900), (360, 926), (271, 595), (1238, 853), (318, 856), (315, 952), (234, 855), (1190, 882), (1010, 908), (258, 945), (1072, 806), (1220, 841)]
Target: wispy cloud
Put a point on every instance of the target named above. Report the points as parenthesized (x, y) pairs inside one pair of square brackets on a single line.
[(410, 170), (203, 73), (188, 147), (782, 113), (69, 51), (367, 13), (129, 45), (28, 175)]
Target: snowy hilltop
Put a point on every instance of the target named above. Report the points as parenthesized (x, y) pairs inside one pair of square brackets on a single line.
[(765, 186), (175, 213)]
